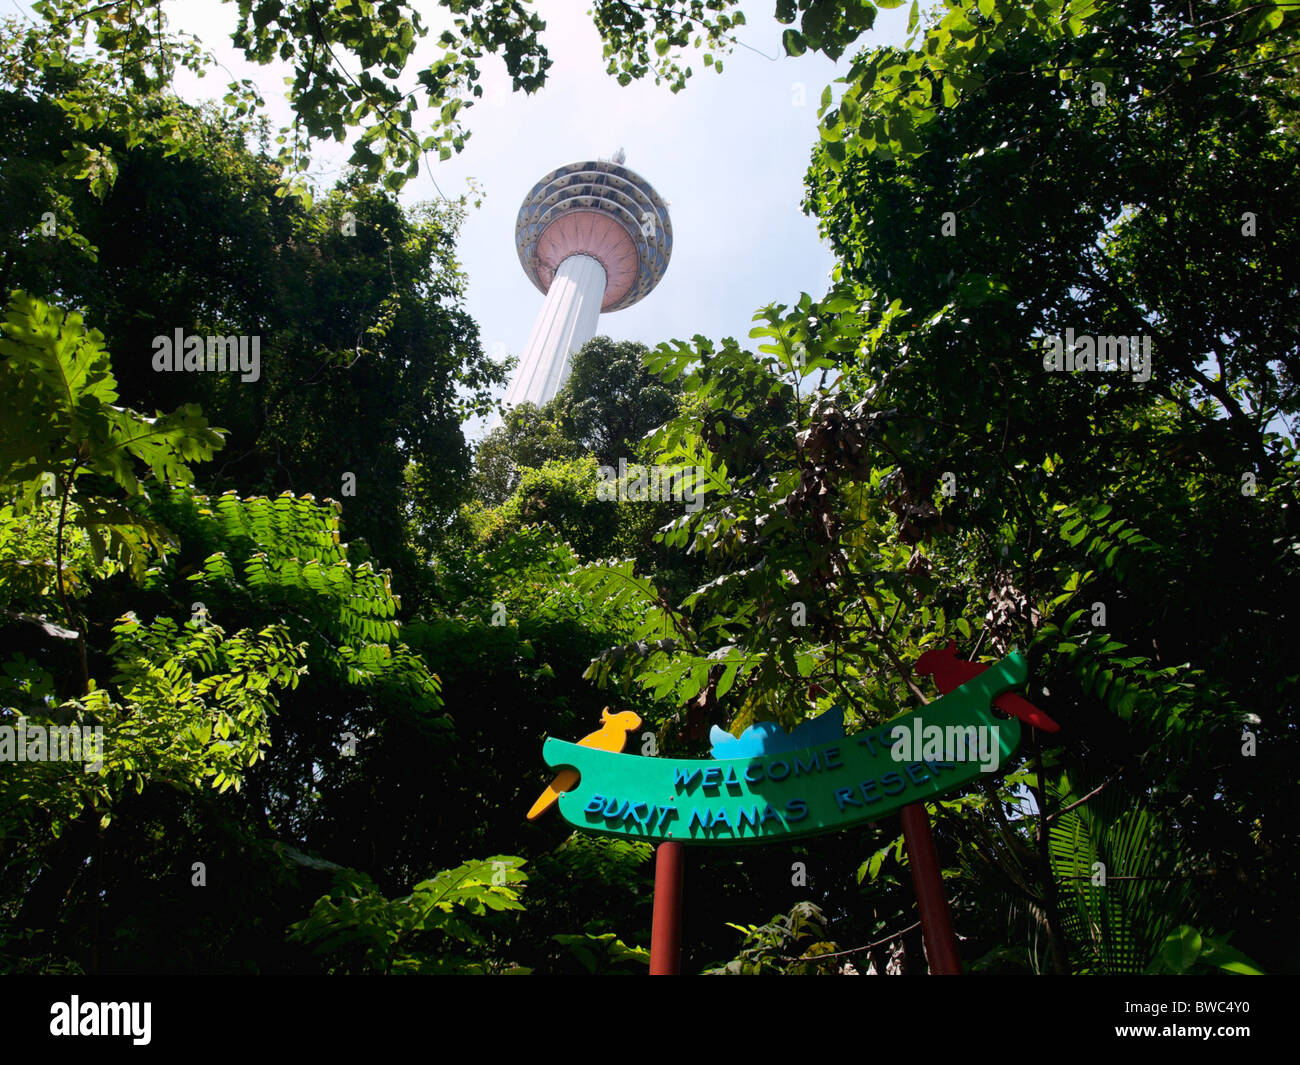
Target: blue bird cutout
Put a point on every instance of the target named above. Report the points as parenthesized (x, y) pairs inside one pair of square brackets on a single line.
[(767, 738)]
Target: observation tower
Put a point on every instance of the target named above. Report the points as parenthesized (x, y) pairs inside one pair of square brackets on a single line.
[(593, 237)]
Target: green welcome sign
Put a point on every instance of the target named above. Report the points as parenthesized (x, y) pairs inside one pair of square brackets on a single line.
[(788, 794)]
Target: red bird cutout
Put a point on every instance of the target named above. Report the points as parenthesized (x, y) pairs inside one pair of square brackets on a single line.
[(952, 672)]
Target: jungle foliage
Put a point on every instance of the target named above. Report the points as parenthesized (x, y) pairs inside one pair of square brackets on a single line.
[(329, 708)]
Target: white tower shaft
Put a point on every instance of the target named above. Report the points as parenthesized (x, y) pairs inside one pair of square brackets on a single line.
[(566, 322)]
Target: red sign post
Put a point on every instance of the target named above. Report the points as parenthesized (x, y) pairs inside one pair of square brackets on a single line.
[(666, 925)]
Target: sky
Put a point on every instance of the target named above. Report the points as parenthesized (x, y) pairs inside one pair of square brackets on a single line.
[(728, 153)]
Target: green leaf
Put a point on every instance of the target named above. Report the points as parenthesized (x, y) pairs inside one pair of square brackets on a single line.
[(1181, 948), (1218, 953)]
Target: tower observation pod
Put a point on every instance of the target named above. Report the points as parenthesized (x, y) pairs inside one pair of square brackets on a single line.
[(594, 237)]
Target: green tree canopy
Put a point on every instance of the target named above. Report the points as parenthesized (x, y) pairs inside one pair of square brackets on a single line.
[(1004, 180), (368, 362)]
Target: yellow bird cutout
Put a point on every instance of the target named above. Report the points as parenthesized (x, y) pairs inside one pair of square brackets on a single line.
[(611, 736)]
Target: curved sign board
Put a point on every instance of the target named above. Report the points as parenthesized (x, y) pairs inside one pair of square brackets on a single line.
[(914, 757)]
